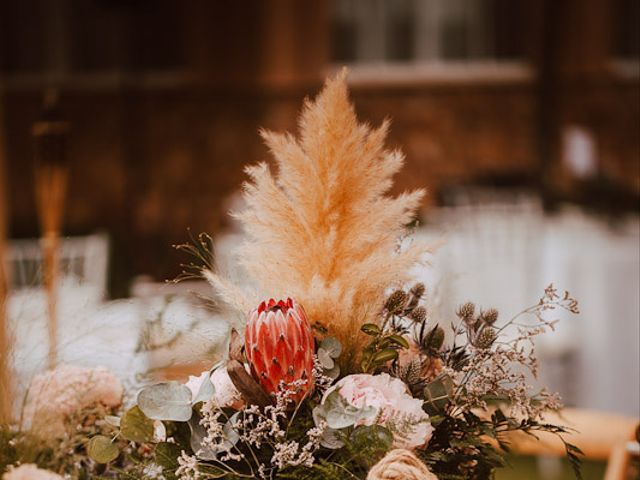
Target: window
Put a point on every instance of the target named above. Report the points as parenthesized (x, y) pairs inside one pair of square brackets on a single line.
[(426, 31)]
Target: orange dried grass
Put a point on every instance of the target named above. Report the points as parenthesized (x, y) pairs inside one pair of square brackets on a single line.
[(323, 229)]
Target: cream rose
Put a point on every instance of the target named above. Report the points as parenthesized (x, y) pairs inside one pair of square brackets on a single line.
[(29, 471), (394, 407), (225, 392)]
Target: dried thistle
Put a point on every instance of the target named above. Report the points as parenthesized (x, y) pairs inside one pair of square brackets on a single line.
[(323, 229), (466, 311), (486, 338), (489, 317), (418, 314), (396, 302), (418, 290), (415, 294)]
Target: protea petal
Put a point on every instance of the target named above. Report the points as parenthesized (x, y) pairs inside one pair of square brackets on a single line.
[(279, 346)]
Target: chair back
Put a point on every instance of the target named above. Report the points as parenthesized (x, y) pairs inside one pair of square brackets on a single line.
[(83, 261)]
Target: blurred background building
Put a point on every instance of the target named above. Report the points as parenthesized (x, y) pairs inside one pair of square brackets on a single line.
[(165, 99)]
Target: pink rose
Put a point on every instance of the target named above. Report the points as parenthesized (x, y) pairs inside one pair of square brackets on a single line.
[(395, 408), (56, 394)]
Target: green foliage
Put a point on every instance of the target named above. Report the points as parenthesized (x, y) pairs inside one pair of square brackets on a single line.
[(8, 448), (102, 449), (166, 456), (135, 426), (382, 349), (459, 448)]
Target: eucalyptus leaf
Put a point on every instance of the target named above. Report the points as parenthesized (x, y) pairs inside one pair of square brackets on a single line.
[(166, 401), (102, 450), (198, 434), (332, 346), (337, 419), (338, 413), (206, 391), (136, 427), (330, 437), (325, 359), (159, 431), (367, 413), (231, 435), (319, 414), (332, 372)]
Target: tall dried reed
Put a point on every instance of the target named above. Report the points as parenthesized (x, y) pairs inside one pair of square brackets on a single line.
[(323, 229)]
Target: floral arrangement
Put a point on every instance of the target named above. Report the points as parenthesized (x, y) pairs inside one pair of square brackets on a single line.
[(341, 371)]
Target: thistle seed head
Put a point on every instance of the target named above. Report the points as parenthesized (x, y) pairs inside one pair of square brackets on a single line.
[(466, 311), (418, 314), (396, 301), (486, 338), (490, 316), (418, 290)]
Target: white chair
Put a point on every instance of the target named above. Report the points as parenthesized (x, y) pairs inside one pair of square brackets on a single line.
[(82, 288), (83, 261)]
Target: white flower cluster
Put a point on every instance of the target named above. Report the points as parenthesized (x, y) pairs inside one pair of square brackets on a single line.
[(504, 369), (254, 429), (29, 471), (187, 467), (56, 394)]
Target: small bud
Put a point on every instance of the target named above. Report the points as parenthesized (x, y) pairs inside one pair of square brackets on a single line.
[(486, 338), (466, 311), (418, 290), (396, 301), (418, 314), (490, 316)]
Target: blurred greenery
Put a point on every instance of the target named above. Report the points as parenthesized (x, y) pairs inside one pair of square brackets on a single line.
[(547, 468)]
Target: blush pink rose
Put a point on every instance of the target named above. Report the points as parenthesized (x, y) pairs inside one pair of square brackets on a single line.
[(56, 394), (395, 408)]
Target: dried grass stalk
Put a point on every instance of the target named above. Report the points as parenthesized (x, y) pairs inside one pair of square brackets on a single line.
[(323, 228), (51, 187)]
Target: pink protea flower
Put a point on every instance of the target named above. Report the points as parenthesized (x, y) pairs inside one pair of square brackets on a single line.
[(279, 347)]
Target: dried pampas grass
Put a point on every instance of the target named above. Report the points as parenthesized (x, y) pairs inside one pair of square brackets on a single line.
[(323, 229)]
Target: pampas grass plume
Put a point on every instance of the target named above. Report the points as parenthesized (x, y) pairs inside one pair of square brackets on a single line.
[(323, 229)]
